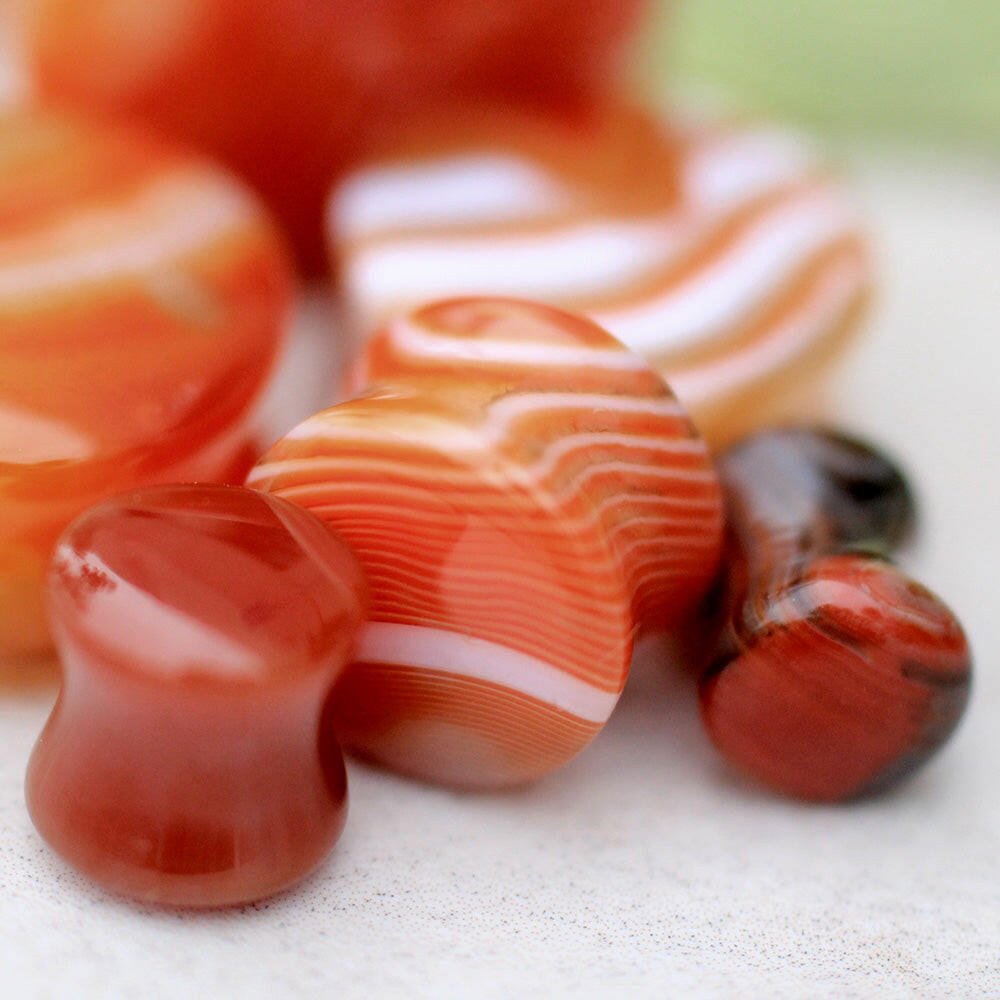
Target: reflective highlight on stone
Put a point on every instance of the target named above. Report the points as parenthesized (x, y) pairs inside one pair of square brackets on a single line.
[(724, 254), (200, 630), (835, 673), (523, 493), (142, 300)]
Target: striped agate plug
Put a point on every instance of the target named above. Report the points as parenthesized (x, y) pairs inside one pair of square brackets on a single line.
[(724, 254), (523, 493), (143, 295), (835, 674), (201, 628)]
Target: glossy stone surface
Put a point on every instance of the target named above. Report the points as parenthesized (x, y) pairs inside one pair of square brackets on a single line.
[(200, 630), (845, 491), (291, 92), (724, 254), (143, 297), (835, 673), (524, 494)]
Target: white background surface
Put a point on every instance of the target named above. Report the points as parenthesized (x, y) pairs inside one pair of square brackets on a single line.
[(642, 869)]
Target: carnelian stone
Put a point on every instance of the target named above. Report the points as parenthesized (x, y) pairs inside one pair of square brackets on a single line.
[(143, 297), (290, 92), (835, 673), (200, 628)]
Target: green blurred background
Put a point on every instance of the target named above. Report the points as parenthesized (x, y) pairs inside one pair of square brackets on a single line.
[(924, 70)]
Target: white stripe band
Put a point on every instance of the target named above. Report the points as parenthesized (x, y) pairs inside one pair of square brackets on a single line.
[(723, 293), (827, 302), (474, 188), (580, 260), (453, 653), (172, 217)]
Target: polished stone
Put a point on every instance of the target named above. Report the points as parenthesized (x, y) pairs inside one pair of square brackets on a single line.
[(525, 495), (200, 630), (834, 673)]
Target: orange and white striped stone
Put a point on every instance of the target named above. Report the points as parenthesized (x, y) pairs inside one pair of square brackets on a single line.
[(522, 503), (143, 295), (739, 280)]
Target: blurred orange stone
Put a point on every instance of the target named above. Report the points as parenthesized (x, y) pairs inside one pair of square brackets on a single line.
[(290, 92), (143, 295), (200, 629), (723, 253)]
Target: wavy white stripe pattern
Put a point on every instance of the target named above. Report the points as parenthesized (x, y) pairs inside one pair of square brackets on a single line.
[(751, 270), (725, 171), (577, 261), (513, 534), (757, 221), (719, 175), (435, 649), (169, 218), (501, 416), (431, 346), (821, 312)]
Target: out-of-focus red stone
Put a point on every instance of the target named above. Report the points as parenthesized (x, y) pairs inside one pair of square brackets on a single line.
[(200, 629), (835, 673), (143, 299), (290, 92)]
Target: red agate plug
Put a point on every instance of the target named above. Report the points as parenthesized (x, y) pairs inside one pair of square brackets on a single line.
[(200, 629), (836, 674)]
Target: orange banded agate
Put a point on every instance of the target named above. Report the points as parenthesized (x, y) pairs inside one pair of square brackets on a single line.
[(724, 254), (290, 93), (142, 295), (524, 495)]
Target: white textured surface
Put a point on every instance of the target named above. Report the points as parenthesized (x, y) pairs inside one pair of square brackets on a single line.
[(643, 869)]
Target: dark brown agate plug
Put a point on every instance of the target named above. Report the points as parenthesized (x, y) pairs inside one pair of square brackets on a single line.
[(834, 673)]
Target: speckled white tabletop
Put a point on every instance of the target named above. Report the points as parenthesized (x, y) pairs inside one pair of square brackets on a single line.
[(643, 869)]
